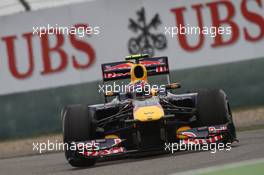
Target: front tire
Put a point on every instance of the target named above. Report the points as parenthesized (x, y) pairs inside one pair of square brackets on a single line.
[(77, 126), (213, 109)]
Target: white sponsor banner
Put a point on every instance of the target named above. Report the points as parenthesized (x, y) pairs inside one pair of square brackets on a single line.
[(30, 62)]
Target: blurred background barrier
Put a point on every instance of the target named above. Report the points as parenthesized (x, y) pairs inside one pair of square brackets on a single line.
[(40, 75)]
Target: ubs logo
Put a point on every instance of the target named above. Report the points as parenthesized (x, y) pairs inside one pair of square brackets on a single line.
[(147, 40)]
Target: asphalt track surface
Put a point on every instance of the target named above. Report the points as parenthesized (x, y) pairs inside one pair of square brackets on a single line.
[(250, 147)]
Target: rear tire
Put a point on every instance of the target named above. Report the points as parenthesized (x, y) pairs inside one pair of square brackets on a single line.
[(213, 109), (77, 126)]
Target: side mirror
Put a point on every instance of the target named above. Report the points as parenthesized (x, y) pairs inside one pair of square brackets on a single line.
[(173, 86)]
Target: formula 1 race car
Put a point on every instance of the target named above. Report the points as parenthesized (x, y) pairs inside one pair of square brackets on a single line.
[(144, 118)]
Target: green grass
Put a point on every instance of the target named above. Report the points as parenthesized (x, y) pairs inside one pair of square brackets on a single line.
[(256, 168)]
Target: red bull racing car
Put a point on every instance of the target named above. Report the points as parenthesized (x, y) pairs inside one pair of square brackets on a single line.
[(144, 118)]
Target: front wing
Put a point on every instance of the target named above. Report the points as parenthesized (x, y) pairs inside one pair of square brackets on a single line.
[(113, 146)]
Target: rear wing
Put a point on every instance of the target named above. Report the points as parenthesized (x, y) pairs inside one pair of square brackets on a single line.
[(121, 70)]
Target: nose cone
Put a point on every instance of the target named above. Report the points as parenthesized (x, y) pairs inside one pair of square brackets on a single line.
[(148, 113)]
